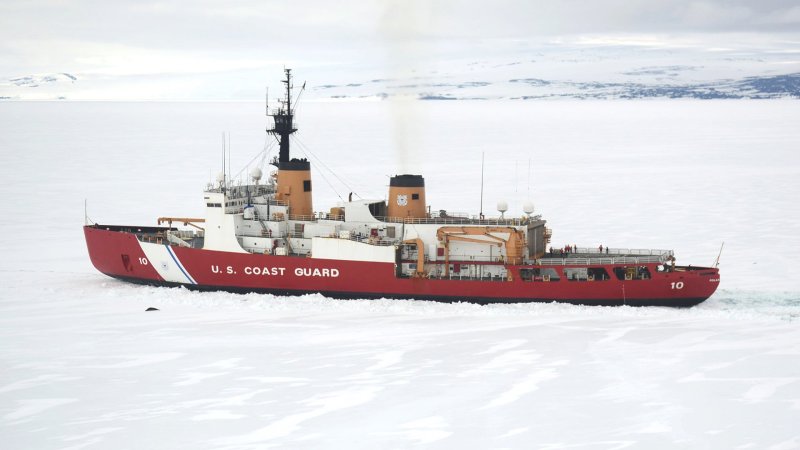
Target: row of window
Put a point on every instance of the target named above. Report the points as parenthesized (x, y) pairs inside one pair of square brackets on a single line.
[(219, 205), (584, 273)]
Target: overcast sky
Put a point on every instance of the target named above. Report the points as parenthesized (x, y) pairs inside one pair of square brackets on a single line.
[(113, 39)]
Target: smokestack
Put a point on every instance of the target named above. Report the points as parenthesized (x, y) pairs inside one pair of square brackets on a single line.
[(407, 197), (294, 187)]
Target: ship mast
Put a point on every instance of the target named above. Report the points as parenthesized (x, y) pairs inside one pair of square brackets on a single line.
[(294, 175), (283, 121)]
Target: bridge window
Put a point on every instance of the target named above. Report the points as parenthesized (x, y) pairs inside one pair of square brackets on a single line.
[(377, 209)]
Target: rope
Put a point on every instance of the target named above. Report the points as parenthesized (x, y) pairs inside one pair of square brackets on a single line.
[(263, 154), (308, 152), (328, 182)]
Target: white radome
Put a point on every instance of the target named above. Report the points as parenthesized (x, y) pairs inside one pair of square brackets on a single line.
[(220, 178), (256, 174), (527, 207), (502, 206)]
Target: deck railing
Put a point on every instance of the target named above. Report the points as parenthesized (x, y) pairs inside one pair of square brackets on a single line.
[(373, 240), (241, 191), (614, 256), (453, 220), (622, 251), (499, 278)]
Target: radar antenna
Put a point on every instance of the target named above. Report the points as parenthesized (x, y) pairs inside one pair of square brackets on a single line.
[(283, 120)]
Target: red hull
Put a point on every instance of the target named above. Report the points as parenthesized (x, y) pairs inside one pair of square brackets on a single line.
[(120, 255)]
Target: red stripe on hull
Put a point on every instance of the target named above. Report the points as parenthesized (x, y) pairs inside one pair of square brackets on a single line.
[(298, 275)]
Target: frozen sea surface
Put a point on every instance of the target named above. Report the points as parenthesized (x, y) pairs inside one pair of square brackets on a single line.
[(82, 365)]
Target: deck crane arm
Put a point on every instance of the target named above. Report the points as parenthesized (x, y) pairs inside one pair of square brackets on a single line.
[(514, 245)]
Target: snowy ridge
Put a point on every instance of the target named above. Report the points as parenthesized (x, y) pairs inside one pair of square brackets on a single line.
[(33, 81), (754, 87), (502, 70), (52, 86), (585, 72)]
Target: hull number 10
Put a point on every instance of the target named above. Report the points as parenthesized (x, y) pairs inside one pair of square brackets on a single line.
[(677, 285)]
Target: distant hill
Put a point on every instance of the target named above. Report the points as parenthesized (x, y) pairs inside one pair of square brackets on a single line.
[(754, 87), (606, 72), (40, 86)]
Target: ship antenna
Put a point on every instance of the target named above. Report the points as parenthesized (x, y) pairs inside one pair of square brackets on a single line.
[(482, 160), (223, 163), (529, 178), (299, 94), (716, 263), (289, 87)]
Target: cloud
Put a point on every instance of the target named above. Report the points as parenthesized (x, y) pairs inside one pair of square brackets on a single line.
[(789, 17), (259, 23), (108, 59)]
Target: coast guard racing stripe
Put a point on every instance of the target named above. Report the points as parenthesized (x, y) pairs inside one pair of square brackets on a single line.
[(180, 266), (166, 263)]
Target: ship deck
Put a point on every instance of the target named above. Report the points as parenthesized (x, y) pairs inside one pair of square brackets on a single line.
[(593, 256)]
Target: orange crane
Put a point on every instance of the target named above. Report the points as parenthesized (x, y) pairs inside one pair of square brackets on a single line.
[(186, 221), (514, 245), (420, 273)]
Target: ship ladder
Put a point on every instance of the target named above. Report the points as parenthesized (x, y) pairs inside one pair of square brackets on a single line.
[(265, 232)]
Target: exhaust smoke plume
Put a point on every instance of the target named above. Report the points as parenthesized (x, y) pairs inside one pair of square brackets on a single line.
[(403, 28)]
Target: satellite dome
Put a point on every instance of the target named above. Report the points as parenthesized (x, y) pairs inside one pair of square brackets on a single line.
[(256, 174), (527, 207), (502, 206), (220, 178)]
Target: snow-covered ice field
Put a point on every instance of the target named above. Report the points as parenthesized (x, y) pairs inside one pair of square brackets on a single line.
[(82, 365)]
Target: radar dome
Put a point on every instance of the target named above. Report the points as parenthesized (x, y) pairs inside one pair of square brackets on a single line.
[(527, 207), (220, 178), (256, 174), (502, 206)]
